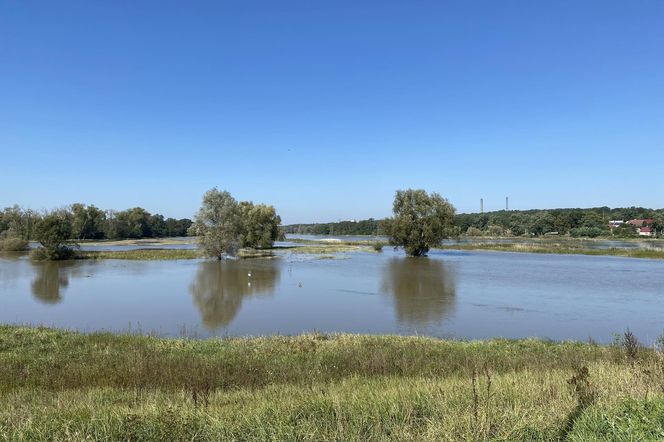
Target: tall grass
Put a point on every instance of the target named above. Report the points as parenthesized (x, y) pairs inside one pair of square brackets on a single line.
[(57, 385)]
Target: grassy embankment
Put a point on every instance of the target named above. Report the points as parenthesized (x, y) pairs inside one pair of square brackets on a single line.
[(58, 385)]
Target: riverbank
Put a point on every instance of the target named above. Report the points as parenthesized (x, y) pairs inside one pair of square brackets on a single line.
[(59, 385)]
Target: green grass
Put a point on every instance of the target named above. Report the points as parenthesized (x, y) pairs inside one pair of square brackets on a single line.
[(335, 241), (141, 254), (560, 248), (321, 249), (58, 385), (136, 242), (173, 254)]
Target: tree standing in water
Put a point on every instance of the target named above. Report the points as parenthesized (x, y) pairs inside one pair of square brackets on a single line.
[(223, 225), (420, 221)]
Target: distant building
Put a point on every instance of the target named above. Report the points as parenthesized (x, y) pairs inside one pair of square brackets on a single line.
[(615, 223), (645, 231), (640, 222)]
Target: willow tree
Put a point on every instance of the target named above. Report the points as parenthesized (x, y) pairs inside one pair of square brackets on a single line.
[(223, 225), (420, 221)]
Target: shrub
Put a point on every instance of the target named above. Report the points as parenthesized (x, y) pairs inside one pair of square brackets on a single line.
[(42, 253), (13, 244), (53, 232), (473, 231), (588, 232), (494, 230)]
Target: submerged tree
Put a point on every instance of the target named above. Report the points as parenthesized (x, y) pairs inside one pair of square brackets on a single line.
[(53, 232), (223, 225), (260, 225), (217, 223), (420, 221)]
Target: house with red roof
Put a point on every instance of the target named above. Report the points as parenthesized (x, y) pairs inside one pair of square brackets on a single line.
[(640, 222)]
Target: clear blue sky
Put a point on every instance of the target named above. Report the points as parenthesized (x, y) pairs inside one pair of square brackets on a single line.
[(325, 108)]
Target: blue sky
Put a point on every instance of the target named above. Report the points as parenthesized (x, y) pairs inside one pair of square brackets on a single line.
[(324, 109)]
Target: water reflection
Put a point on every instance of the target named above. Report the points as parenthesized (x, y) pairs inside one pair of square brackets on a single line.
[(50, 278), (423, 289), (220, 286)]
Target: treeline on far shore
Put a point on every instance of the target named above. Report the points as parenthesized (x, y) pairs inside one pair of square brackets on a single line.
[(365, 227), (590, 222), (87, 222)]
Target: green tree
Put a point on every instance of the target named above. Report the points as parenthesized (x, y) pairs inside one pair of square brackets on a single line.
[(658, 223), (260, 225), (87, 222), (594, 220), (223, 225), (133, 223), (54, 232), (543, 222), (625, 231), (157, 226), (19, 222), (420, 221), (218, 225)]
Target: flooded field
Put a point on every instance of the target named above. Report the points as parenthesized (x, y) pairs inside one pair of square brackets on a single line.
[(449, 294)]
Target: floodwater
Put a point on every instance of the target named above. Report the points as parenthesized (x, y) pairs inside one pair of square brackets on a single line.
[(449, 294)]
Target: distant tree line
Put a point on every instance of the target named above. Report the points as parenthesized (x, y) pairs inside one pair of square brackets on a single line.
[(590, 222), (89, 222), (365, 227)]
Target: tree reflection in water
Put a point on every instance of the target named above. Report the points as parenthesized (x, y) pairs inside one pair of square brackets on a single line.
[(423, 289), (50, 278), (220, 286)]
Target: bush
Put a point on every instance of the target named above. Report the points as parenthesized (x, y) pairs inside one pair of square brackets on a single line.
[(53, 232), (494, 230), (378, 247), (474, 231), (43, 254), (588, 232), (13, 244)]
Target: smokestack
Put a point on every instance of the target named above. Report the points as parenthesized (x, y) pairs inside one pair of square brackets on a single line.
[(507, 203), (481, 205)]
